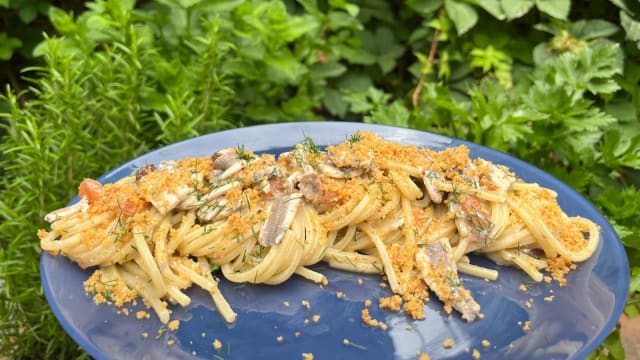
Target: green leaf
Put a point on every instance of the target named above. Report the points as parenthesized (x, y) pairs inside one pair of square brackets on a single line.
[(621, 109), (557, 8), (424, 7), (631, 26), (514, 9), (299, 26), (493, 7), (61, 20), (7, 46), (395, 114), (613, 344), (622, 203), (335, 103), (593, 28), (218, 5), (340, 19), (356, 55), (28, 13), (634, 285), (463, 15), (621, 147), (5, 3), (326, 70), (287, 68)]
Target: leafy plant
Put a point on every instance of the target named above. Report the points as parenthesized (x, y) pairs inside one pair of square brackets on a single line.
[(551, 82)]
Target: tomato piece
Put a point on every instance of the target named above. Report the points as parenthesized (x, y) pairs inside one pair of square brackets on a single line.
[(90, 189)]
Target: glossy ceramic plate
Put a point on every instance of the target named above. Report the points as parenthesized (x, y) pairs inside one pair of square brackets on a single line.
[(570, 327)]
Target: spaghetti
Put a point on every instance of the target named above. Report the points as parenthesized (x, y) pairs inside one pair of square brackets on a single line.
[(366, 205)]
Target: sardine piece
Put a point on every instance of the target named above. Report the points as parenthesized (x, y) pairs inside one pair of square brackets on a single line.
[(224, 158), (281, 213), (501, 177), (311, 187), (429, 178), (473, 222), (143, 171), (226, 163), (215, 209), (170, 200), (195, 200), (439, 271)]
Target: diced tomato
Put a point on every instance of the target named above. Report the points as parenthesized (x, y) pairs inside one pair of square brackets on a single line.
[(90, 189)]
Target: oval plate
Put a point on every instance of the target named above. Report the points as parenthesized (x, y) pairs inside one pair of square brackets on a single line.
[(569, 327)]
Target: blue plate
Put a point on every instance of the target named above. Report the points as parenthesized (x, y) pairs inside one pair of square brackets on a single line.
[(570, 327)]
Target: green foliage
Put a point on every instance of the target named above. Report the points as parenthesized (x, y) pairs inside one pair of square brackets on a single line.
[(553, 82)]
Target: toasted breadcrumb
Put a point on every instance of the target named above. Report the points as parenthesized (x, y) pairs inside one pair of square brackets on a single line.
[(307, 356), (367, 303), (340, 294), (368, 320), (173, 325), (424, 356), (476, 354), (297, 334), (286, 304), (448, 343), (170, 342), (526, 326), (141, 314), (360, 281), (217, 344), (306, 304), (523, 287), (145, 335), (280, 339), (549, 298), (315, 318), (392, 303), (486, 343)]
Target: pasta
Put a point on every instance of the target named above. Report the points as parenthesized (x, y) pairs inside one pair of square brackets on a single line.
[(366, 205)]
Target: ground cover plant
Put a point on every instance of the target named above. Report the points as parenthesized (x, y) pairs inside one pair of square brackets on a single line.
[(552, 82)]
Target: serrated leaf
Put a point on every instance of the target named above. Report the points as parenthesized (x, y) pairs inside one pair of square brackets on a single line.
[(395, 114), (557, 8), (334, 102), (514, 9), (593, 28), (590, 120), (621, 147), (493, 7), (631, 26), (463, 15), (621, 109), (621, 203)]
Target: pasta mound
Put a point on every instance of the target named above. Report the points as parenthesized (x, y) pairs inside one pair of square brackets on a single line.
[(366, 205)]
